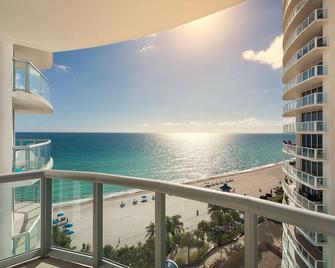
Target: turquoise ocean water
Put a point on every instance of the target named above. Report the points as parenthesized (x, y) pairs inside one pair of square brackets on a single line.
[(168, 157)]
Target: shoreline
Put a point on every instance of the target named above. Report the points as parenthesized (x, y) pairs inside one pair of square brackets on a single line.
[(127, 225), (191, 182)]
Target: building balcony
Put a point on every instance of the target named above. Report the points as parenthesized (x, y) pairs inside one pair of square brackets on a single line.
[(43, 232), (314, 182), (305, 152), (308, 29), (301, 253), (31, 92), (30, 154), (287, 9), (310, 78), (306, 127), (300, 200), (306, 103), (319, 240), (305, 56)]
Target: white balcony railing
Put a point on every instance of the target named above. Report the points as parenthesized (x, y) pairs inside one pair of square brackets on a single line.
[(305, 127), (31, 154), (318, 14), (294, 12), (315, 238), (301, 201), (30, 79), (289, 241), (305, 152), (315, 182), (306, 101), (251, 207), (315, 71), (317, 42)]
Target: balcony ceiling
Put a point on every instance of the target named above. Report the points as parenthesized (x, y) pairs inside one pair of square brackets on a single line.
[(67, 25)]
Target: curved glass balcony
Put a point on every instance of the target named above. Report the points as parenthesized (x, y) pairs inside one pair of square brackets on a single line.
[(31, 154), (318, 14), (316, 182), (290, 242), (294, 12), (305, 152), (312, 99), (316, 42), (305, 127), (318, 70), (29, 79), (301, 201)]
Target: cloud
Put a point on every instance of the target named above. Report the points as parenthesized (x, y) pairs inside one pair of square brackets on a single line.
[(153, 35), (144, 125), (148, 48), (272, 55), (62, 68), (246, 122)]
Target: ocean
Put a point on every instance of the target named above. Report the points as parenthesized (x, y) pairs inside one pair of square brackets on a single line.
[(168, 157)]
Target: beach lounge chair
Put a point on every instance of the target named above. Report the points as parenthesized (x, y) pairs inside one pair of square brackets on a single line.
[(134, 202), (122, 205)]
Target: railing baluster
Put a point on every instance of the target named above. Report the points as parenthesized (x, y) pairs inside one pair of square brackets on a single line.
[(46, 215), (250, 239), (160, 230), (97, 223)]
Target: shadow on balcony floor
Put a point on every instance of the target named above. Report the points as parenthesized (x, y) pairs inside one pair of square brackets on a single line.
[(49, 263)]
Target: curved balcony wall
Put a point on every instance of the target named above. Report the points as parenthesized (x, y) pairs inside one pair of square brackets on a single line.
[(29, 79), (315, 182), (294, 12), (305, 152), (31, 154), (301, 201), (290, 242), (317, 42), (306, 127), (315, 99), (318, 14), (315, 71), (315, 238)]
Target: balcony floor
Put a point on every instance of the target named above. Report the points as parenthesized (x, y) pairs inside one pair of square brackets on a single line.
[(49, 263)]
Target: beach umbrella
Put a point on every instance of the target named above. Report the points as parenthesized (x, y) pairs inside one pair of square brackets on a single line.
[(69, 225), (225, 188), (60, 214), (55, 221), (171, 264), (144, 196), (69, 232)]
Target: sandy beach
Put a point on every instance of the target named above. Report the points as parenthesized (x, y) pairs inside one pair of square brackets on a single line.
[(126, 226)]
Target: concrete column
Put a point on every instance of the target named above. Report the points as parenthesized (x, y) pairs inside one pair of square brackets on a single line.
[(6, 145)]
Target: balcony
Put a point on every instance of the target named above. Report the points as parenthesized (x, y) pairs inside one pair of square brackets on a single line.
[(293, 245), (250, 207), (307, 79), (305, 56), (30, 154), (31, 92), (305, 152), (312, 101), (306, 127), (315, 182), (300, 200), (309, 28), (313, 237)]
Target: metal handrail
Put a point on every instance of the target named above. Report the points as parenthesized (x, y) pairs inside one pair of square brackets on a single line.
[(308, 100), (302, 201), (31, 64), (37, 143), (306, 152), (316, 182), (252, 207), (306, 126)]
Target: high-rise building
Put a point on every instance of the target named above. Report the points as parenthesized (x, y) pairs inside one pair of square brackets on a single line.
[(308, 65)]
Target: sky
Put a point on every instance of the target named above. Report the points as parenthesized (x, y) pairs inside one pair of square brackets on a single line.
[(221, 74)]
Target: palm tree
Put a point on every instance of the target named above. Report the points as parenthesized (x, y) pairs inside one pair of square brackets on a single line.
[(174, 225), (188, 240), (200, 233), (150, 231)]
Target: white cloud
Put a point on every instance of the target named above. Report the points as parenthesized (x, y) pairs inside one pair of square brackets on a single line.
[(272, 55), (246, 122), (284, 121), (62, 68), (153, 35), (148, 48), (144, 125)]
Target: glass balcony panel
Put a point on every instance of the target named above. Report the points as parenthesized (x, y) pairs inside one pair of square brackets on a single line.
[(31, 154), (129, 226), (199, 233), (72, 215), (28, 78), (27, 218)]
